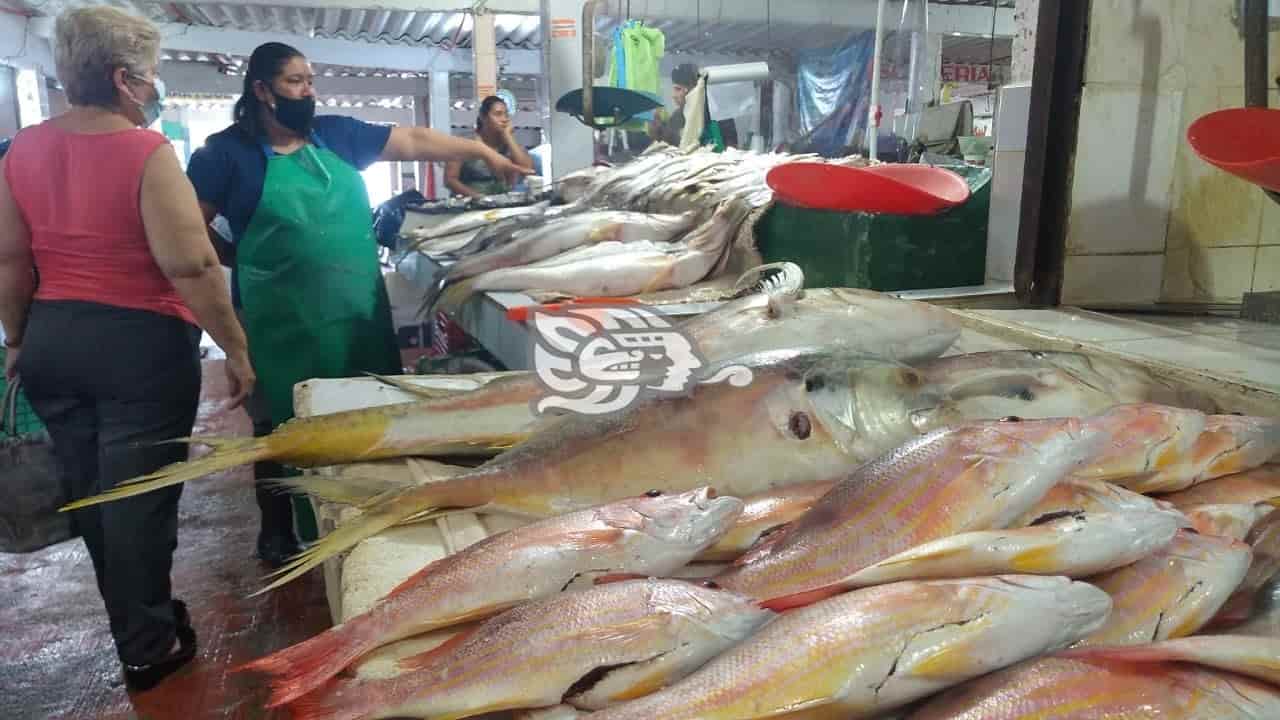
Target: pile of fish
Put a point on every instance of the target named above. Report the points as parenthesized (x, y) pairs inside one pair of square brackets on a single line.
[(976, 570), (666, 221), (865, 530)]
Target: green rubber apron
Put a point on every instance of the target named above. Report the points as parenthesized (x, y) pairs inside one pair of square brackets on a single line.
[(313, 298)]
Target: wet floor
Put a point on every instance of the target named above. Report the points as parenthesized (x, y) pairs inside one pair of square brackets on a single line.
[(57, 661)]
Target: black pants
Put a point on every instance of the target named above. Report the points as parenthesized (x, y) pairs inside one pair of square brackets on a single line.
[(274, 506), (109, 383)]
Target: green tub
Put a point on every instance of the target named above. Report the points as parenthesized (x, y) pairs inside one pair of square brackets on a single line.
[(884, 252)]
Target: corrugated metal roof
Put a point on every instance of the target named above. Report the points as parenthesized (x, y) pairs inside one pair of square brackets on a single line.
[(454, 29), (410, 28)]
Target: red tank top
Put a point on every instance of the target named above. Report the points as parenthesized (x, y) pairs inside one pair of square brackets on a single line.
[(79, 195)]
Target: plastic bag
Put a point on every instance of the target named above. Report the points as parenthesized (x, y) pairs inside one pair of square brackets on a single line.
[(389, 216)]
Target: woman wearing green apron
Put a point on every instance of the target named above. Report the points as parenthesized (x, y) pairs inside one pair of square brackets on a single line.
[(305, 272)]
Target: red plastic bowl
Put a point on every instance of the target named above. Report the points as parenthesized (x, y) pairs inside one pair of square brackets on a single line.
[(1242, 141), (889, 189)]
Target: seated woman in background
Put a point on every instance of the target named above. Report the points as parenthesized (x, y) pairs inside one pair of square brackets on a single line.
[(108, 346), (474, 178)]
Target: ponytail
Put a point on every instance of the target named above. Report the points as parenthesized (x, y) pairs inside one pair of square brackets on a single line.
[(265, 64)]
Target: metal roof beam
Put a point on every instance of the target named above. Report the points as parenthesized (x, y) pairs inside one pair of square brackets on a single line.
[(354, 53)]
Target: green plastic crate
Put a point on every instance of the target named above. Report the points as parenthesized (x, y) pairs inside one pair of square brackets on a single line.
[(884, 252), (28, 422)]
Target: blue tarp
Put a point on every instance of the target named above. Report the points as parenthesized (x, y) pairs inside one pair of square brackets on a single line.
[(833, 93)]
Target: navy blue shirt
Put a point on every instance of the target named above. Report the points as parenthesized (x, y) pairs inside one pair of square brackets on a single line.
[(228, 172)]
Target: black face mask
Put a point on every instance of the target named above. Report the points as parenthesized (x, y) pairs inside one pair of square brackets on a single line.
[(296, 114)]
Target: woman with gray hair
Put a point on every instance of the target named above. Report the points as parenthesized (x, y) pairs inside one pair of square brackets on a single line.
[(106, 276)]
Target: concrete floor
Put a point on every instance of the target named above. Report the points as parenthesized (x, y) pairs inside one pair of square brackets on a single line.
[(57, 661)]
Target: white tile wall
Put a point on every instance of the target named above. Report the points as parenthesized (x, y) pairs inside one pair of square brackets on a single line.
[(1102, 279), (1137, 42), (1209, 274), (1266, 271), (1123, 170)]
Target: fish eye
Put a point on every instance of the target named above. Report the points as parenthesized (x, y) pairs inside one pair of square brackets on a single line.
[(1038, 355), (653, 493), (800, 425), (814, 383), (711, 584), (1011, 419), (1025, 394)]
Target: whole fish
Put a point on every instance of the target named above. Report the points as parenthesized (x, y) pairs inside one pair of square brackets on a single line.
[(1091, 496), (534, 655), (1069, 689), (615, 269), (977, 476), (1029, 384), (473, 220), (1173, 592), (924, 396), (1076, 546), (870, 651), (649, 535), (762, 514), (552, 239), (500, 414), (1203, 447), (1256, 657), (779, 437)]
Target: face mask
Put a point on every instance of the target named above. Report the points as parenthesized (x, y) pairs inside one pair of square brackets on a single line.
[(151, 110), (295, 114)]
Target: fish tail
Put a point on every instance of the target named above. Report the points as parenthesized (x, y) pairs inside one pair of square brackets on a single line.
[(337, 701), (382, 512), (346, 490), (303, 668), (432, 297), (450, 298), (228, 453)]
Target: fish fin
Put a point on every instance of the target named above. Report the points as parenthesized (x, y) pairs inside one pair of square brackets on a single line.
[(228, 454), (911, 556), (1155, 652), (799, 600), (337, 701), (1273, 502), (662, 277), (618, 577), (424, 660), (761, 547), (390, 509), (1037, 561), (625, 637), (308, 665), (591, 539), (412, 389), (344, 490)]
